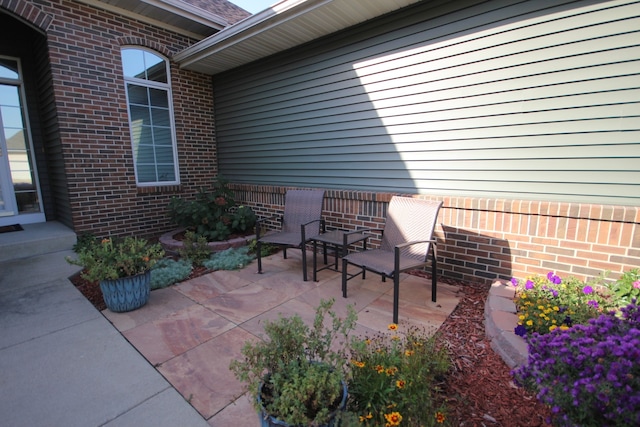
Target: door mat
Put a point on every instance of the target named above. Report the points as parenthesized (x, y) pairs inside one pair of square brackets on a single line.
[(10, 228)]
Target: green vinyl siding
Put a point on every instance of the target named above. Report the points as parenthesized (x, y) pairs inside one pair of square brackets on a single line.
[(504, 99)]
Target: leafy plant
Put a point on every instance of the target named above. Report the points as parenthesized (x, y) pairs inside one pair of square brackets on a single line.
[(195, 248), (84, 241), (213, 214), (627, 288), (545, 303), (167, 271), (588, 374), (394, 378), (115, 258), (301, 367), (229, 259), (266, 248)]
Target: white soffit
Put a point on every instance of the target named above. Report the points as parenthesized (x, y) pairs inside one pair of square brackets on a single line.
[(174, 15), (284, 25)]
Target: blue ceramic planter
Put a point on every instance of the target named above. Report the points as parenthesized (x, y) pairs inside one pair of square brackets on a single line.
[(126, 293)]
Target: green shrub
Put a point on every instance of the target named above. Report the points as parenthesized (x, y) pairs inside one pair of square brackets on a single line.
[(84, 241), (214, 214), (265, 250), (627, 287), (195, 248), (167, 271), (229, 259)]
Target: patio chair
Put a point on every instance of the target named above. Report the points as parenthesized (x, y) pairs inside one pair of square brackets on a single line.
[(302, 220), (406, 240)]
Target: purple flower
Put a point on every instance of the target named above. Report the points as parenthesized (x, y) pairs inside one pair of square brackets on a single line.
[(593, 303), (529, 285), (514, 281), (587, 290), (556, 280), (520, 331)]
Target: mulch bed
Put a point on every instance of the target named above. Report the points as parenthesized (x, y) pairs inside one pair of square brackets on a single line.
[(479, 389)]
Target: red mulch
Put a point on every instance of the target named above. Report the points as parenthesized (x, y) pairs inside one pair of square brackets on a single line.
[(479, 389)]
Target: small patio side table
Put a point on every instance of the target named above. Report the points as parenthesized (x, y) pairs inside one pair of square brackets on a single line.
[(340, 240)]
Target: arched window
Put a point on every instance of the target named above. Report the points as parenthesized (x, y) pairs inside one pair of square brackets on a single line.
[(151, 120)]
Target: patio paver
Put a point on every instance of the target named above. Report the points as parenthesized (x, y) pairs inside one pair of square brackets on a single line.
[(191, 331)]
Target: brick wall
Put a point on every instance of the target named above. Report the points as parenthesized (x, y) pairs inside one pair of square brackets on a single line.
[(484, 239), (93, 136)]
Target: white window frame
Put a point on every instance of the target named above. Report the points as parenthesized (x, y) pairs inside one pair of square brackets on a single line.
[(154, 85)]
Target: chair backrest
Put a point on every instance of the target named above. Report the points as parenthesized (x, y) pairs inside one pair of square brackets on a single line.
[(409, 220), (301, 207)]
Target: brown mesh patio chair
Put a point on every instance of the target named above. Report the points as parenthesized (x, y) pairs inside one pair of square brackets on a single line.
[(406, 240), (302, 220)]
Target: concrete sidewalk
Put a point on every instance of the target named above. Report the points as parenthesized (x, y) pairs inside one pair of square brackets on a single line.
[(63, 364)]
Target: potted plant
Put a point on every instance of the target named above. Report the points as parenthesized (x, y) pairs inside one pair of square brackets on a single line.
[(123, 268), (296, 376)]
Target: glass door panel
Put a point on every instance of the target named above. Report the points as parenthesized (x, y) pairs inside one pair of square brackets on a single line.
[(19, 193)]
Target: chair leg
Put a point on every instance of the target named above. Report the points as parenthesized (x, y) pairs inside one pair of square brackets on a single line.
[(344, 278), (396, 296), (315, 261), (434, 279), (259, 253), (304, 261)]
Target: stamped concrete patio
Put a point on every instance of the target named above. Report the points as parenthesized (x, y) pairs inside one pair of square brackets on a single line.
[(191, 331)]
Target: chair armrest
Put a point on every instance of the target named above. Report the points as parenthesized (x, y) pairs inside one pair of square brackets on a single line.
[(261, 220), (303, 226)]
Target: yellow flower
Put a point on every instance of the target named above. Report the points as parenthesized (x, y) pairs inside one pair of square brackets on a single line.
[(379, 369), (357, 363), (367, 341), (409, 353), (395, 337), (391, 371), (393, 327), (400, 384), (393, 419), (529, 323), (363, 418), (552, 327), (440, 417)]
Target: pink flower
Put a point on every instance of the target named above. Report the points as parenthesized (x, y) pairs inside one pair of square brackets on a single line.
[(636, 284)]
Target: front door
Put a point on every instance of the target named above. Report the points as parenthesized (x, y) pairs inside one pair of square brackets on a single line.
[(20, 201)]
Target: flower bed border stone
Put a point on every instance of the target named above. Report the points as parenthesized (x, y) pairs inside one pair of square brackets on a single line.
[(170, 244), (500, 319)]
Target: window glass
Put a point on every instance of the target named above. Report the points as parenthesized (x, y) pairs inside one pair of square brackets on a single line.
[(142, 64), (8, 68), (150, 117)]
